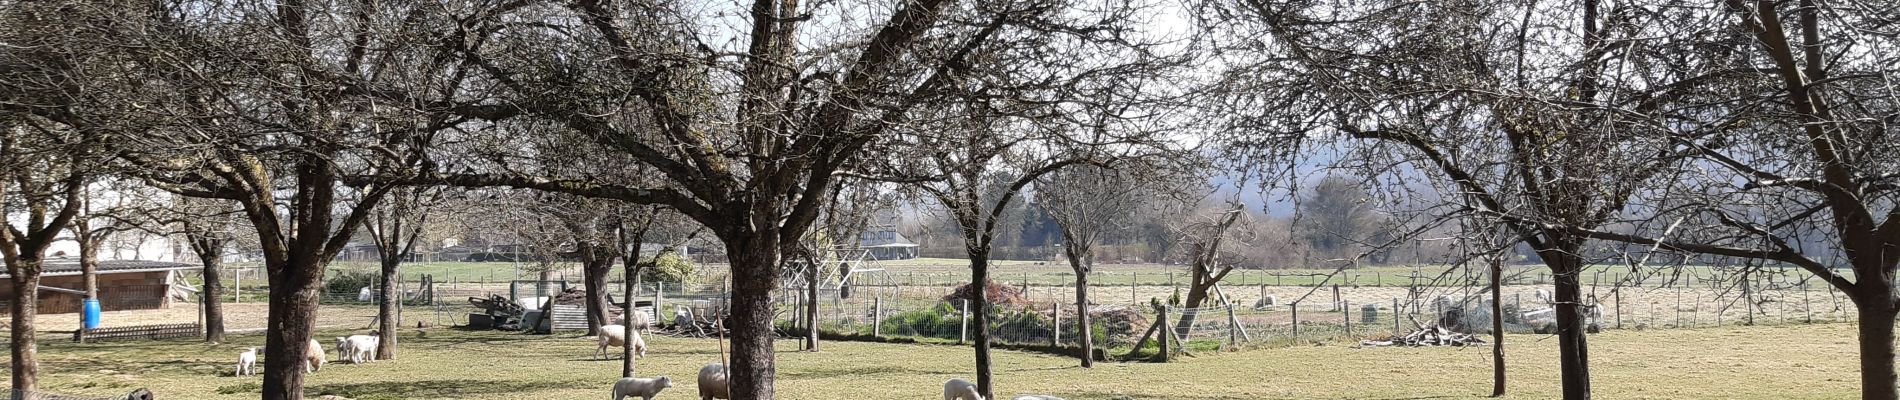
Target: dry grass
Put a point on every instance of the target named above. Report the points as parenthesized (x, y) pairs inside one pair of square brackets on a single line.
[(1799, 361)]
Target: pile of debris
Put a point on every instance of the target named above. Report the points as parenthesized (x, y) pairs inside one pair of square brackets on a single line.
[(686, 323), (998, 294), (1428, 336)]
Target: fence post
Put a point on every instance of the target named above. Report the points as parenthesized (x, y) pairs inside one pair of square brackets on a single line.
[(1296, 322), (1056, 310), (1233, 329), (1347, 309), (1619, 307), (877, 317), (237, 284), (963, 333), (659, 290), (1805, 306), (1395, 316), (1136, 283), (1167, 331)]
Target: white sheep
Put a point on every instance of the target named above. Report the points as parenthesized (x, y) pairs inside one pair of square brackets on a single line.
[(247, 362), (1544, 296), (357, 348), (640, 321), (644, 388), (959, 389), (712, 382), (1265, 302), (313, 357), (611, 336)]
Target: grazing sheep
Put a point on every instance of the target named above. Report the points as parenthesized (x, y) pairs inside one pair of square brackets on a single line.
[(645, 388), (959, 389), (640, 321), (247, 362), (610, 336), (1265, 302), (313, 357), (357, 348), (1544, 296), (712, 382)]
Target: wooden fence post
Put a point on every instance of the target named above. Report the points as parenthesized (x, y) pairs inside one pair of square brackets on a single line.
[(1395, 316), (1347, 309), (1167, 332), (877, 317), (1296, 322)]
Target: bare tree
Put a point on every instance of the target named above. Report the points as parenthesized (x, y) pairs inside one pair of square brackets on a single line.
[(44, 185), (1087, 202), (1206, 238), (1806, 129), (1508, 107), (395, 226)]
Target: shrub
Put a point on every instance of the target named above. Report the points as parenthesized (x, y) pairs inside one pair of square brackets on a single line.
[(346, 282), (668, 267)]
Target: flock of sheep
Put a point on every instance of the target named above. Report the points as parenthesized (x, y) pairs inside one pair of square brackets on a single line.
[(712, 380), (356, 348)]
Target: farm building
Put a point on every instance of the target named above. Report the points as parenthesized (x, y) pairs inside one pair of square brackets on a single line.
[(123, 285), (888, 245)]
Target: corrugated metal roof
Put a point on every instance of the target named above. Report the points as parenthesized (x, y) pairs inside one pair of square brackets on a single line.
[(56, 266)]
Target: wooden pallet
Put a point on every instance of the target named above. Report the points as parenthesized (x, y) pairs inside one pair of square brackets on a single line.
[(138, 332)]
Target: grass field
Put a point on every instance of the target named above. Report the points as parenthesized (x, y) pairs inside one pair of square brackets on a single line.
[(1783, 362)]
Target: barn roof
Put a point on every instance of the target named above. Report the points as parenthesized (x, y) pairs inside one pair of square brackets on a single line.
[(58, 266)]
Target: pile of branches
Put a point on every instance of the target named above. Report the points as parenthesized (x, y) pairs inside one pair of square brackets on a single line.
[(998, 294), (694, 326), (1428, 336)]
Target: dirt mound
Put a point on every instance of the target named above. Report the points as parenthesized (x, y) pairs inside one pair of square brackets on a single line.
[(997, 294)]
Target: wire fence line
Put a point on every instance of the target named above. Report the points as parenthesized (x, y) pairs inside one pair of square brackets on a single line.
[(1257, 310)]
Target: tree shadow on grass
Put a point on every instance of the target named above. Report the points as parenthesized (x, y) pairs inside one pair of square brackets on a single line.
[(435, 388), (858, 372)]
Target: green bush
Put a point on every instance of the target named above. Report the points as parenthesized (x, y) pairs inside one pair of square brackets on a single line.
[(944, 321), (668, 267), (347, 282)]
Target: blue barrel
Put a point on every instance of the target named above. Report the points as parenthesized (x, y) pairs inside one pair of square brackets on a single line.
[(92, 313)]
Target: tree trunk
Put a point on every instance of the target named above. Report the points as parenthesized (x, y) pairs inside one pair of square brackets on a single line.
[(1197, 294), (626, 311), (1877, 378), (386, 309), (754, 260), (25, 355), (594, 271), (811, 308), (295, 286), (1497, 328), (209, 294), (1079, 262), (1572, 348), (89, 265), (980, 307)]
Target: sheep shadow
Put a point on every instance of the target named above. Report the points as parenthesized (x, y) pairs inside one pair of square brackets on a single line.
[(436, 388)]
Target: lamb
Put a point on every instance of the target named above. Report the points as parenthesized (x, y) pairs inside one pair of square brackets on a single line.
[(645, 388), (357, 348), (313, 357), (611, 336), (1544, 296), (247, 362), (712, 382), (959, 389)]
